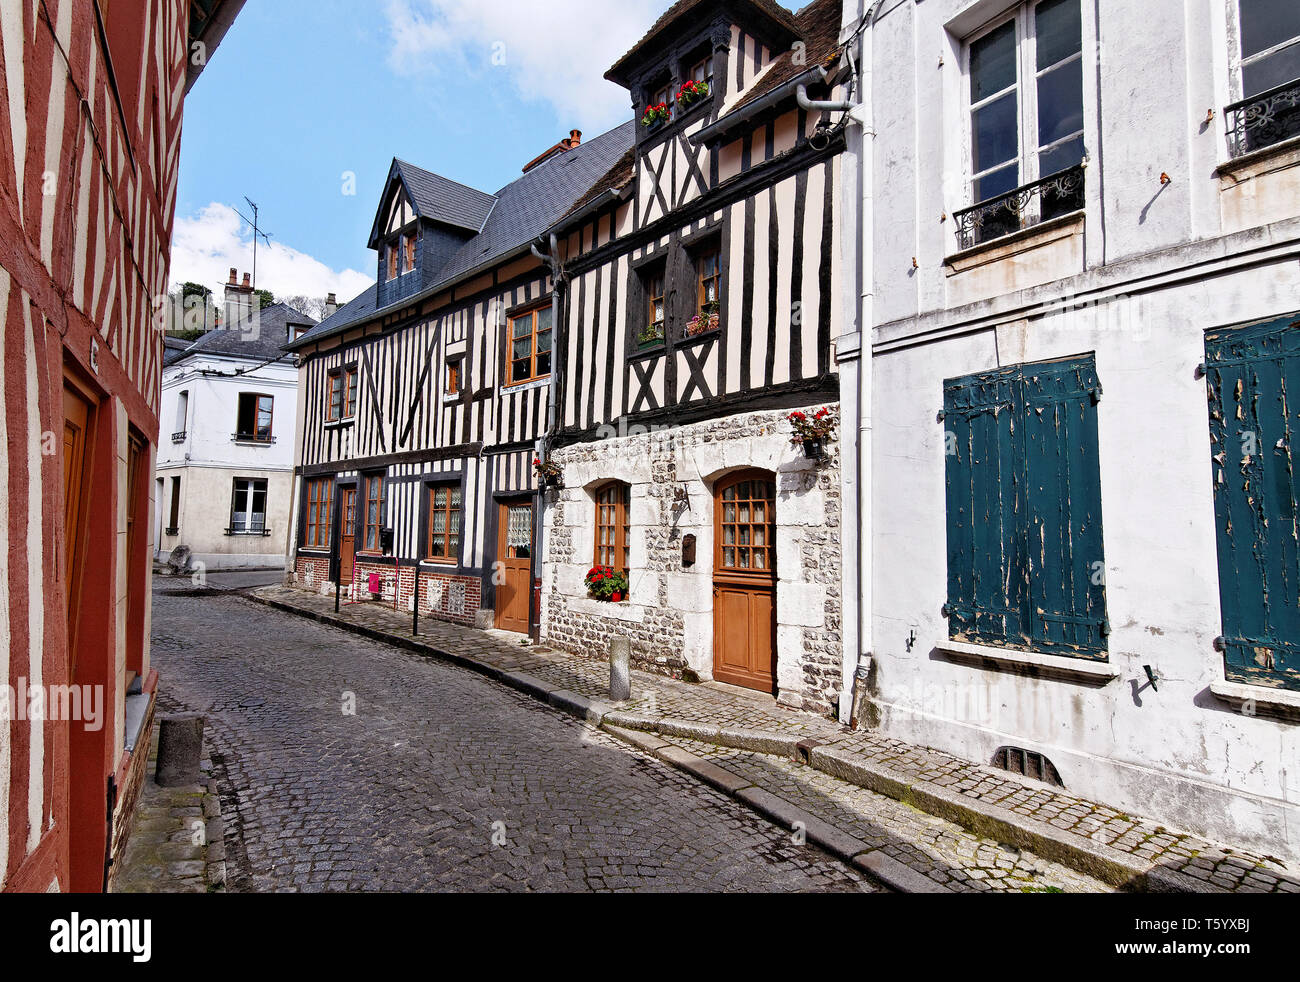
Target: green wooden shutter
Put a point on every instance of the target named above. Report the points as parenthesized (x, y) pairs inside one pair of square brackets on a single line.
[(1253, 377), (1024, 508)]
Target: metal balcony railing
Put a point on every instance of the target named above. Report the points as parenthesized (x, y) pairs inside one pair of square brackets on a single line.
[(1264, 119), (1020, 208), (252, 438)]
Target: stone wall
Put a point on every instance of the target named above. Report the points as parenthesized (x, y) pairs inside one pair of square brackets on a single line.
[(668, 616)]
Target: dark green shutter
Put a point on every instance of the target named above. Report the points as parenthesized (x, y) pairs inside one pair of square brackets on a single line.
[(1024, 508), (1253, 377)]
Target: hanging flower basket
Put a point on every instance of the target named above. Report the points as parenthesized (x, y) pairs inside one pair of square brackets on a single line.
[(813, 431), (607, 583), (705, 321), (656, 114), (692, 92), (548, 472)]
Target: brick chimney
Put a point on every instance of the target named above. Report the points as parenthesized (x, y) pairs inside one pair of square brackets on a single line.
[(570, 142), (239, 301)]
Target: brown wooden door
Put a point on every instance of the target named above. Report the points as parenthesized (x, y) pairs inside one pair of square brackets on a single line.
[(514, 555), (347, 533), (76, 422), (744, 581)]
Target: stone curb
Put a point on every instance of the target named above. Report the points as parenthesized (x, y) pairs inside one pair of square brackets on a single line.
[(1111, 866), (840, 844)]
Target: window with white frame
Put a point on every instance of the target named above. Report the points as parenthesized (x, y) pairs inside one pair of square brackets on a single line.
[(1267, 75), (248, 507), (1025, 97)]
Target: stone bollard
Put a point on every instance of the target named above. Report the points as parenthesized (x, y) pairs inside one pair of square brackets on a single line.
[(180, 747), (620, 678)]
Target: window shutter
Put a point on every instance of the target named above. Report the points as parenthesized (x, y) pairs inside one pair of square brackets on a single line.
[(1067, 600)]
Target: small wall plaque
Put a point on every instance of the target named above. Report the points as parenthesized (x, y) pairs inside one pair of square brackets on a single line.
[(688, 551)]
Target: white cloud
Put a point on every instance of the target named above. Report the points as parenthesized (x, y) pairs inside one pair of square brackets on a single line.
[(557, 51), (206, 246)]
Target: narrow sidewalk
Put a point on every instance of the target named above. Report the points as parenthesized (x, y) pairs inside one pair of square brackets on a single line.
[(779, 762)]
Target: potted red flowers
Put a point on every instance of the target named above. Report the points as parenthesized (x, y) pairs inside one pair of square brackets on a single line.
[(607, 583), (691, 92), (812, 431), (706, 320), (548, 472), (656, 114)]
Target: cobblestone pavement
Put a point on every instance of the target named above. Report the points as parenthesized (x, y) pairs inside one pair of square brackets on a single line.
[(940, 850), (442, 779), (1145, 841)]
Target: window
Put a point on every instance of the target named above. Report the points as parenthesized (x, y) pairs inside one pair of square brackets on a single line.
[(702, 71), (248, 507), (1251, 427), (254, 419), (453, 377), (530, 345), (174, 510), (1026, 112), (612, 501), (746, 527), (444, 523), (1269, 75), (371, 537), (343, 394), (392, 261), (1025, 560), (320, 513), (409, 241), (652, 284), (182, 416)]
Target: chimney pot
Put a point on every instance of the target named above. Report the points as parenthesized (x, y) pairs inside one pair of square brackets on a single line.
[(233, 274), (247, 284), (331, 299), (575, 138)]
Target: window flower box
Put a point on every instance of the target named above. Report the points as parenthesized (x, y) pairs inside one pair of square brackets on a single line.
[(548, 473), (656, 114), (705, 321), (691, 92), (651, 335), (606, 583)]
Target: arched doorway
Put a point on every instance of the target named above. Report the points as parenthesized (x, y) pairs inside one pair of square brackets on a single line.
[(744, 580)]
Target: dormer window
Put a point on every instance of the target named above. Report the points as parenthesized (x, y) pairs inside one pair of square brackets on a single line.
[(409, 250), (392, 261)]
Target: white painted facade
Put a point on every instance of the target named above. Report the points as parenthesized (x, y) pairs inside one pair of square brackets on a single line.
[(198, 445), (1136, 279)]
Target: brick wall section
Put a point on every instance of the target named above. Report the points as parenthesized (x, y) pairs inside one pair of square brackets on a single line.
[(448, 597), (669, 618), (129, 792)]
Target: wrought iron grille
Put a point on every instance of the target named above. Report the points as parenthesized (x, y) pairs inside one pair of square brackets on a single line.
[(1264, 119), (1052, 196)]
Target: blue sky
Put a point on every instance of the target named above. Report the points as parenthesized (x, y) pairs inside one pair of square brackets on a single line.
[(303, 91)]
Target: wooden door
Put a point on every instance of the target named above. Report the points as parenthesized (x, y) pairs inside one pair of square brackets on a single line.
[(347, 533), (76, 422), (514, 554), (744, 581)]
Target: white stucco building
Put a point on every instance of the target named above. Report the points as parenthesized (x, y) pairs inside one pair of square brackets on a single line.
[(1076, 509), (224, 477)]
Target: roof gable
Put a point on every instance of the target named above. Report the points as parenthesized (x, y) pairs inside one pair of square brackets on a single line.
[(433, 198)]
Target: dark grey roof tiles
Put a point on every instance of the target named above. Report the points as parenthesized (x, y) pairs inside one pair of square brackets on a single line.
[(268, 344), (524, 209), (442, 200)]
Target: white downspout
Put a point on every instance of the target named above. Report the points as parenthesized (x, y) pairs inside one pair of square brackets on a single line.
[(857, 540)]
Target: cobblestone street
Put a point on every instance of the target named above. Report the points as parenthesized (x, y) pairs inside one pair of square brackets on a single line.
[(442, 779)]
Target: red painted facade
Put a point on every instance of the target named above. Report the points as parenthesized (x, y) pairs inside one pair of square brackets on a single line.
[(90, 125)]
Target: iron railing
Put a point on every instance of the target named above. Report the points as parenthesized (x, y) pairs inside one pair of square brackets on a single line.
[(264, 532), (1020, 208), (1264, 119), (251, 438)]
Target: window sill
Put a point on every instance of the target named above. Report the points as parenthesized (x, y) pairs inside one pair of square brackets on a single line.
[(339, 424), (1283, 154), (1014, 243), (532, 383), (623, 611), (1277, 704), (1034, 663), (250, 442)]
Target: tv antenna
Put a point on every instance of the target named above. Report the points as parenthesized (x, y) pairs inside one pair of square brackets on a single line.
[(257, 233)]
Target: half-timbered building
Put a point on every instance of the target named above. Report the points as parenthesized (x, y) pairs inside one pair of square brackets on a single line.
[(89, 150), (702, 285), (421, 402)]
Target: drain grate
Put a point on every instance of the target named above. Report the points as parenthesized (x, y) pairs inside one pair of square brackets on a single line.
[(1027, 763)]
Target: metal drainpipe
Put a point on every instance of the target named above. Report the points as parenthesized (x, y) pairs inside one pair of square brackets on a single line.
[(543, 445)]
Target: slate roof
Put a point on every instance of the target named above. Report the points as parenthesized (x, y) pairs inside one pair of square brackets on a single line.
[(273, 330), (525, 209), (441, 199)]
